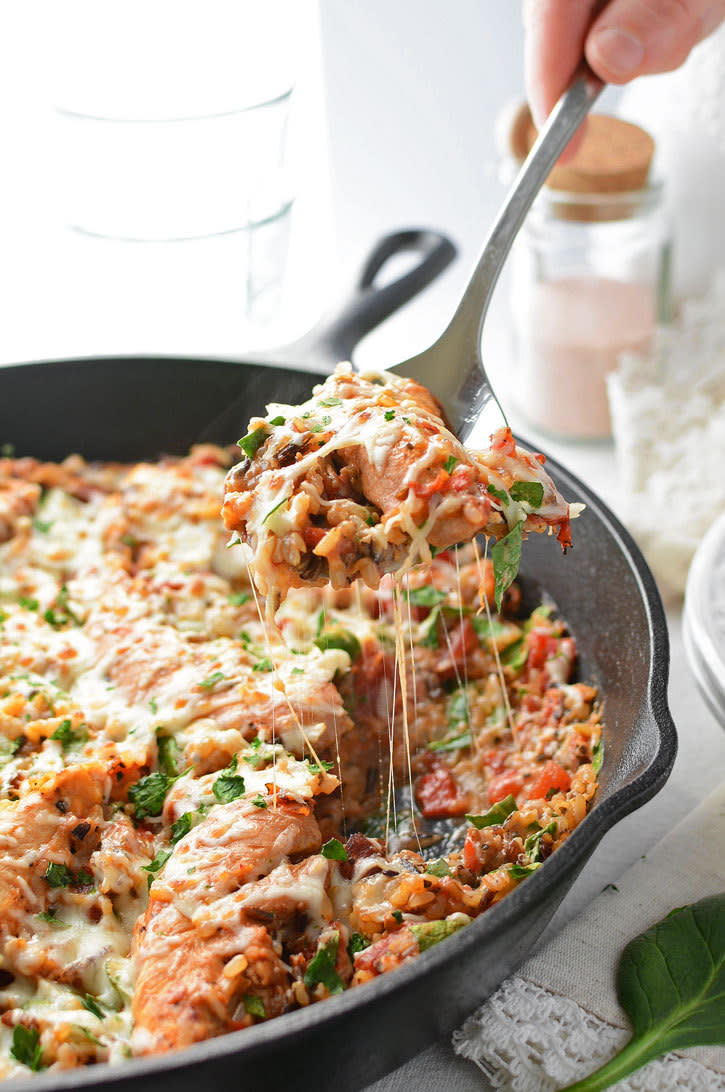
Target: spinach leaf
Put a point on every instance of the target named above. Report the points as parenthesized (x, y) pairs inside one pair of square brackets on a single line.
[(334, 850), (531, 493), (451, 743), (495, 815), (449, 464), (26, 1047), (500, 494), (457, 708), (342, 639), (671, 984), (321, 967), (168, 754), (506, 557), (181, 827), (227, 787), (426, 597)]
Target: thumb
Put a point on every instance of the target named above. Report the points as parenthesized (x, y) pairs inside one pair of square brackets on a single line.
[(639, 37)]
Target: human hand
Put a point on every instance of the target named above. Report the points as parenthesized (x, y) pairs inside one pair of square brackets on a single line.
[(621, 39)]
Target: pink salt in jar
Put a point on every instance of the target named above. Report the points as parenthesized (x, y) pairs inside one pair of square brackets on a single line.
[(590, 281)]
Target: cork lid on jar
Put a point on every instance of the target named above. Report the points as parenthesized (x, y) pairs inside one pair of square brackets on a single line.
[(602, 179)]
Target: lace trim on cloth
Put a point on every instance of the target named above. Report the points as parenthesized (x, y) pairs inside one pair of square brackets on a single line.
[(527, 1039)]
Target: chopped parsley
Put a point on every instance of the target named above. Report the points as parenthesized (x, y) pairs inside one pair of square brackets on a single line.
[(357, 943), (515, 655), (148, 794), (153, 706), (28, 603), (330, 402), (26, 1047), (61, 615), (42, 525), (389, 414), (531, 493), (238, 599), (212, 680), (321, 968), (157, 864), (67, 735), (251, 443), (181, 827), (264, 664), (334, 850), (228, 786), (58, 875), (259, 801), (49, 917), (398, 915), (495, 815)]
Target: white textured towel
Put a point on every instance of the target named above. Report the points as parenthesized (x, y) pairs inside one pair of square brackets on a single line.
[(558, 1019)]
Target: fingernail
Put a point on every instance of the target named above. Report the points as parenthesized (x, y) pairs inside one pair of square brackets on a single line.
[(618, 50)]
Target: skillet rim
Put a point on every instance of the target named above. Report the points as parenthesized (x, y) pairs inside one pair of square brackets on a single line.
[(559, 870)]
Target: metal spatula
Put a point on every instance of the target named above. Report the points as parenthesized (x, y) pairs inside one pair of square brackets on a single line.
[(452, 367)]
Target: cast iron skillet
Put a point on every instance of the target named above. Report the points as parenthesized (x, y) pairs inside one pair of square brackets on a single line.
[(135, 408)]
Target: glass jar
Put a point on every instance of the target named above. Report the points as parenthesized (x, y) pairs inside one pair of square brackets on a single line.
[(590, 281)]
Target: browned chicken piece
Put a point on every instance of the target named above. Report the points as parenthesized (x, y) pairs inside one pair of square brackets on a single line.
[(47, 840), (197, 959), (17, 498)]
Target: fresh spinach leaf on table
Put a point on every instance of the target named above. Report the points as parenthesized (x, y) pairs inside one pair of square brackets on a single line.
[(671, 984)]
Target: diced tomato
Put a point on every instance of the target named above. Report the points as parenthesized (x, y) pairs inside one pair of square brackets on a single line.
[(550, 776), (312, 535), (471, 859), (367, 959), (542, 646), (503, 440), (508, 783), (437, 795), (494, 760), (435, 485), (461, 478)]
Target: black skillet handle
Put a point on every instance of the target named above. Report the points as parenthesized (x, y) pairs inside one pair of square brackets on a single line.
[(337, 335)]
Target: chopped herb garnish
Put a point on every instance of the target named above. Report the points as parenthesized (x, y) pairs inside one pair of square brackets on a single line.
[(26, 1047), (334, 850), (58, 875), (598, 755), (49, 917), (90, 1003), (260, 801), (398, 915), (28, 603), (211, 680), (487, 629), (67, 735), (321, 968), (357, 943), (342, 639), (439, 868), (251, 443), (148, 794), (238, 599), (371, 520), (532, 845), (254, 1005), (263, 665), (157, 864), (277, 421), (499, 494), (168, 754), (228, 786), (153, 706), (515, 655), (298, 670), (457, 709), (531, 493), (506, 557), (181, 827), (84, 878), (495, 815), (320, 767), (450, 462), (389, 414), (42, 525), (426, 597), (330, 402), (273, 510)]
